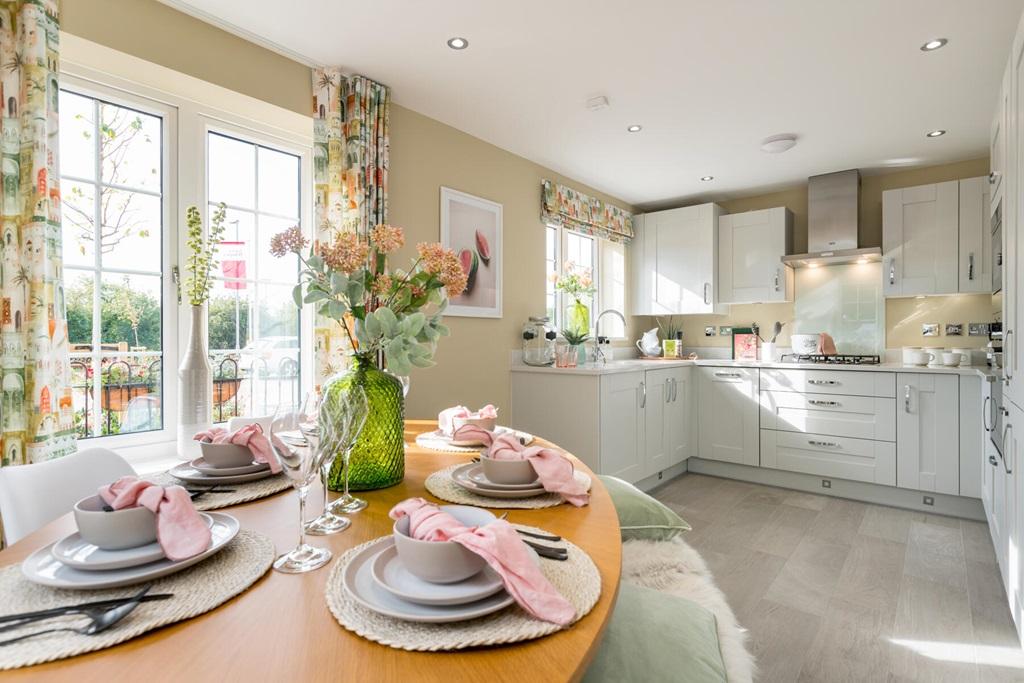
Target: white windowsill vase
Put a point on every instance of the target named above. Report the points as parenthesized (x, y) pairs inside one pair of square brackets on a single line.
[(195, 387)]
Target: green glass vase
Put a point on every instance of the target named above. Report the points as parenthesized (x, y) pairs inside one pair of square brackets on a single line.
[(577, 317), (378, 458)]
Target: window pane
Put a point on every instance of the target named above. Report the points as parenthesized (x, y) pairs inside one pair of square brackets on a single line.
[(78, 216), (228, 316), (78, 291), (272, 268), (278, 183), (236, 249), (130, 312), (613, 287), (232, 172), (130, 230), (130, 143), (77, 141)]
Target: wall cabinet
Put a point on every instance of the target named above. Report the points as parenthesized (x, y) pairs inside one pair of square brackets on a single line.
[(728, 399), (750, 250), (975, 237), (674, 259), (920, 231), (928, 433)]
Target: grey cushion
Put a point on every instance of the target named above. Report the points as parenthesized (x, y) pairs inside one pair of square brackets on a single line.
[(640, 516), (654, 637)]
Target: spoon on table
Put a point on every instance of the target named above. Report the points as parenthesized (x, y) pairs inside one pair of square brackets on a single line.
[(97, 623)]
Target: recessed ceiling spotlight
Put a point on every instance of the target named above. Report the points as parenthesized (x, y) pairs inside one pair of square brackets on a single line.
[(706, 178), (458, 43), (934, 44), (812, 265), (635, 128), (862, 261), (935, 133), (776, 144)]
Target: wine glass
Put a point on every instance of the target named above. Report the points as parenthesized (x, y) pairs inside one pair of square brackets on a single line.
[(309, 416), (347, 416), (301, 462)]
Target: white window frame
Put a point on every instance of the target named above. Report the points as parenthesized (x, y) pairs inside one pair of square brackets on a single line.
[(118, 78), (596, 258)]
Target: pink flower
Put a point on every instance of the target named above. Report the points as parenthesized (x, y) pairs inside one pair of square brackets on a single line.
[(289, 241), (382, 284), (387, 238), (347, 253)]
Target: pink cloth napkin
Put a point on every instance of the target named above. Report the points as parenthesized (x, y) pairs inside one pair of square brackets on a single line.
[(498, 544), (181, 532), (251, 436), (554, 470), (446, 418)]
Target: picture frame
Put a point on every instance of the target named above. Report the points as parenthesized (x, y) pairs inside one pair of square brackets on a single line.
[(472, 227), (745, 344)]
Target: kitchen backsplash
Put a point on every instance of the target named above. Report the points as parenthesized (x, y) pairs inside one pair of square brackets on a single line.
[(845, 301)]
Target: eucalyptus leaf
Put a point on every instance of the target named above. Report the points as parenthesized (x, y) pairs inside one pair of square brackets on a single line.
[(314, 295), (297, 295), (339, 283), (336, 310)]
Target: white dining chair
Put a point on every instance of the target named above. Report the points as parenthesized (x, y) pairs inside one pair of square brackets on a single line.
[(36, 494)]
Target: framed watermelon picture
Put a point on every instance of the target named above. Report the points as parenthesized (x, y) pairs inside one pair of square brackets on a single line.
[(471, 226)]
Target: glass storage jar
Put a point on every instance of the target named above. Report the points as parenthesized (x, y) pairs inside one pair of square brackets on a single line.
[(539, 341)]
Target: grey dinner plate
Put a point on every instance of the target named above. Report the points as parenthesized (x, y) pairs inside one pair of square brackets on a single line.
[(391, 574), (75, 551), (477, 476), (460, 476), (191, 475), (203, 467)]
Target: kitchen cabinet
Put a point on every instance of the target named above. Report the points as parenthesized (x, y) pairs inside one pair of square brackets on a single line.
[(750, 250), (1012, 450), (997, 141), (920, 233), (622, 425), (975, 237), (994, 486), (666, 418), (928, 433), (674, 262), (728, 400), (1013, 218)]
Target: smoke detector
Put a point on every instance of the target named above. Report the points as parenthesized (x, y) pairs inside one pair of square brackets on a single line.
[(776, 144), (597, 103)]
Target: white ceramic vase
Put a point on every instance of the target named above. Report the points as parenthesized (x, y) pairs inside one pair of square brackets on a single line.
[(195, 387)]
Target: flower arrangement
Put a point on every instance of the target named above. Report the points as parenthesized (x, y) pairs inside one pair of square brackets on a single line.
[(577, 282), (202, 253), (349, 281)]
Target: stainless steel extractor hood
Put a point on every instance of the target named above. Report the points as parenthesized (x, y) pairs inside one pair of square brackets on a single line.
[(833, 210)]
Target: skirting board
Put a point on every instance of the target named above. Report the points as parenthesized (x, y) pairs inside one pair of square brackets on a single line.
[(954, 506), (665, 476)]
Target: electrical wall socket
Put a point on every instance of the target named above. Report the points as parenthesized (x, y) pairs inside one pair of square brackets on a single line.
[(978, 329), (709, 331), (826, 483), (929, 500)]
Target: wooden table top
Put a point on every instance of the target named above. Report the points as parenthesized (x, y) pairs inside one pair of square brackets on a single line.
[(281, 629)]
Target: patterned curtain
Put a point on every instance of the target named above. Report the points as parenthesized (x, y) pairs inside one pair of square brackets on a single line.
[(565, 206), (350, 174)]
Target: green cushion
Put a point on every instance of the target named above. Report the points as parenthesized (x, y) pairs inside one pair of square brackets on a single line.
[(653, 637), (640, 516)]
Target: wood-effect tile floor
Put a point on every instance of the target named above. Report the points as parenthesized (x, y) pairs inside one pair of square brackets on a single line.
[(836, 590)]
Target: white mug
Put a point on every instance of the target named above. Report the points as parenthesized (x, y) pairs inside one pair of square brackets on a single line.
[(950, 359), (908, 354), (922, 358)]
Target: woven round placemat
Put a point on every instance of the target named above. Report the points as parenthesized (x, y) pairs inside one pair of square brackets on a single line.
[(577, 579), (242, 493), (442, 485), (197, 589), (435, 442)]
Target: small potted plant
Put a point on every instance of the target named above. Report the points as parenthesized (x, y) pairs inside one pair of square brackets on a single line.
[(570, 351)]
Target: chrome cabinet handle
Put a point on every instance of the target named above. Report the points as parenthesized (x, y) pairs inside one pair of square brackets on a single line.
[(817, 402), (643, 394), (707, 285), (675, 389), (1007, 356), (732, 375), (1006, 430), (892, 271), (992, 461), (906, 399), (668, 390), (970, 266), (992, 177), (823, 444), (985, 413), (776, 280), (824, 382)]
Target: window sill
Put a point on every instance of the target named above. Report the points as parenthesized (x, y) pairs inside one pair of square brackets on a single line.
[(149, 458)]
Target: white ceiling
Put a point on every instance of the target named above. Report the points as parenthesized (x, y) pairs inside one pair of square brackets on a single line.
[(707, 80)]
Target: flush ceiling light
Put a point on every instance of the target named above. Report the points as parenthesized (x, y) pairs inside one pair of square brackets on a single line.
[(776, 144), (706, 178), (457, 43), (935, 133), (635, 128), (933, 44)]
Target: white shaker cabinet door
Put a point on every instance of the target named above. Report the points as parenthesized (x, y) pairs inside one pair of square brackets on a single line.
[(928, 432), (729, 415), (920, 239), (658, 448), (750, 250), (623, 399), (975, 270), (679, 417)]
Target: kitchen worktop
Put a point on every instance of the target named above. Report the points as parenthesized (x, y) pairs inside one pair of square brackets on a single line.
[(636, 364)]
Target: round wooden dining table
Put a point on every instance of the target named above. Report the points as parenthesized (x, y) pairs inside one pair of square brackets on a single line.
[(280, 629)]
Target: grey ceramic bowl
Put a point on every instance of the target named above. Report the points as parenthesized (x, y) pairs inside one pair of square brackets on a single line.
[(117, 530), (508, 471), (224, 455), (487, 423), (441, 561)]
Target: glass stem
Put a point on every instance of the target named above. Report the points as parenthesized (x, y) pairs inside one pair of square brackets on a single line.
[(348, 459), (302, 491), (323, 481)]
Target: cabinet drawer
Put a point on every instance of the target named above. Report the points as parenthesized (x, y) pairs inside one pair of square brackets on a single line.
[(861, 417), (850, 382), (830, 456)]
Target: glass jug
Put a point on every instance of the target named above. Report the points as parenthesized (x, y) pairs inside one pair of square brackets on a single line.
[(539, 341)]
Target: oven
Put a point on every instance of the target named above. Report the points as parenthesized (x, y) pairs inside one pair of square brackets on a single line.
[(993, 412)]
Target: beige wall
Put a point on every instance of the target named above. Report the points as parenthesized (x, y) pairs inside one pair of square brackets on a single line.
[(160, 34), (903, 316), (472, 364)]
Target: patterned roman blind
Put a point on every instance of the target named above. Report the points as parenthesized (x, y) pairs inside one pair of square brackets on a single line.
[(564, 206)]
